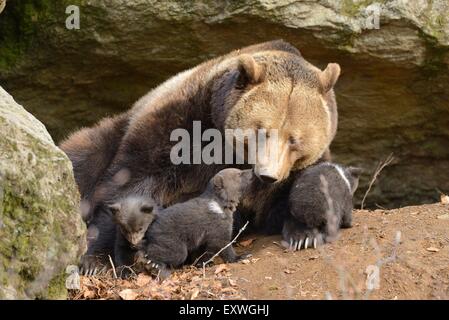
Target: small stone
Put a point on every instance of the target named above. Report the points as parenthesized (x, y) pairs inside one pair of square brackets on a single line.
[(128, 294), (246, 243)]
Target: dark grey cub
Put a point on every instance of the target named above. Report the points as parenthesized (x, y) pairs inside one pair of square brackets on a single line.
[(320, 203), (203, 222)]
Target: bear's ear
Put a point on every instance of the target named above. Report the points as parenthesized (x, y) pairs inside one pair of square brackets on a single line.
[(218, 182), (250, 72), (329, 76), (355, 172), (115, 208)]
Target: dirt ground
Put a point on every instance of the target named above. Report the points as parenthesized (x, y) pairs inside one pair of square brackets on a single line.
[(408, 248)]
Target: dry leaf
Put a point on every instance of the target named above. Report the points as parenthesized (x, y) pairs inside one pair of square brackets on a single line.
[(254, 260), (143, 280), (89, 294), (444, 199), (444, 216), (194, 294), (246, 243), (220, 268), (288, 271), (313, 257), (126, 283), (433, 249), (128, 294), (268, 278)]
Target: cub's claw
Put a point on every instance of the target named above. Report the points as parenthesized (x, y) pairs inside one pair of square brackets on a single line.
[(309, 242)]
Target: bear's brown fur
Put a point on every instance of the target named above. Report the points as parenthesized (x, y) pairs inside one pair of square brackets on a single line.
[(268, 86)]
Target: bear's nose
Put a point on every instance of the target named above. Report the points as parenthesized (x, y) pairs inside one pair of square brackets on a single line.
[(267, 178)]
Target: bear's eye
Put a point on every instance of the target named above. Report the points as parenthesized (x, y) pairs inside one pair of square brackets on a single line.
[(242, 81), (292, 140)]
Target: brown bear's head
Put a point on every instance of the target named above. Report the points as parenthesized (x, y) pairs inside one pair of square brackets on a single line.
[(279, 90)]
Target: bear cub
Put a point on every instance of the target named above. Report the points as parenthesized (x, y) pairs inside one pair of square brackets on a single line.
[(320, 203), (204, 222), (132, 215)]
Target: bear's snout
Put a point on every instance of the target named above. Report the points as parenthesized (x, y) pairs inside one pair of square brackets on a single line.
[(268, 178)]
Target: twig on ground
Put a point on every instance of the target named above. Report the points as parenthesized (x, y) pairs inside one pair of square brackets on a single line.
[(199, 258), (379, 168), (113, 267), (221, 250)]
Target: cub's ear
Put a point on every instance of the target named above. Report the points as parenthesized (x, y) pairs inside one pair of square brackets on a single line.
[(355, 172), (329, 76), (146, 209), (115, 208), (250, 72), (218, 182)]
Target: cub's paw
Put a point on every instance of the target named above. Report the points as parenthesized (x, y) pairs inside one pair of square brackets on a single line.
[(297, 236), (243, 256), (125, 272), (91, 265), (158, 269)]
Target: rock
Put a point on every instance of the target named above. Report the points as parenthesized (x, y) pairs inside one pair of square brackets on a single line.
[(41, 230), (392, 94), (2, 5)]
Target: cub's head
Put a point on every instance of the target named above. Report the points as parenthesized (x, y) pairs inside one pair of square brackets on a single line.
[(230, 184), (282, 91), (133, 215)]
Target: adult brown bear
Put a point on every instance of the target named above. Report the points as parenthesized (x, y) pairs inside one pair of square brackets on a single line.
[(268, 85)]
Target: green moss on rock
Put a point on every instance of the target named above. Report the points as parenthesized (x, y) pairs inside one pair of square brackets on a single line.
[(41, 229), (23, 25)]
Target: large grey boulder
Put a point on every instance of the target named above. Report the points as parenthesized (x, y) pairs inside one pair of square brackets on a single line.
[(41, 230), (392, 94)]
